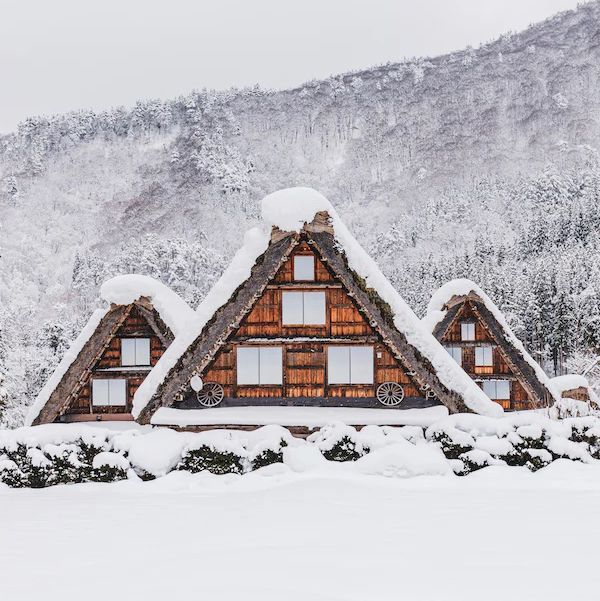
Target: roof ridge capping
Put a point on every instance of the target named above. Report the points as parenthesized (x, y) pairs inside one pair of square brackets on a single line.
[(322, 222)]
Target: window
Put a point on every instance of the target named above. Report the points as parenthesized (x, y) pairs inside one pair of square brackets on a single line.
[(350, 365), (456, 353), (109, 393), (135, 351), (484, 356), (259, 365), (497, 389), (304, 267), (467, 330), (303, 308)]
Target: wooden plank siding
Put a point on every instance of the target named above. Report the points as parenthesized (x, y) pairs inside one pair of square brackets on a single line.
[(519, 399), (305, 346), (135, 325)]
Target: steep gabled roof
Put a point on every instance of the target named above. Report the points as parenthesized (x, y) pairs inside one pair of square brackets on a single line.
[(446, 304), (165, 312), (289, 216)]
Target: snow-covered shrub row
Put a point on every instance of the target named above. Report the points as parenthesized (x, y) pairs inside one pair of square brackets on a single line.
[(520, 439), (61, 454)]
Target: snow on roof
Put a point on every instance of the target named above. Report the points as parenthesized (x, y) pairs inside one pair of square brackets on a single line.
[(462, 287), (310, 417), (290, 210), (61, 369), (255, 243), (126, 289), (120, 290)]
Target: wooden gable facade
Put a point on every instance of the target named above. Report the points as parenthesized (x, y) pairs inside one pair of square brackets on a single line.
[(101, 381), (303, 330), (475, 339), (305, 348)]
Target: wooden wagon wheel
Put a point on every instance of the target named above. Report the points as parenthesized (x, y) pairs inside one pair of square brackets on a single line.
[(211, 394), (390, 394)]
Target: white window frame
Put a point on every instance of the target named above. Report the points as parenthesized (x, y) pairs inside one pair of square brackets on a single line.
[(287, 301), (494, 396), (141, 351), (467, 331), (455, 352), (298, 267), (109, 392), (352, 353), (484, 356), (254, 354)]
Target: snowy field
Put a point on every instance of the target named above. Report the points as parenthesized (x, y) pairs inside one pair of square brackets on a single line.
[(499, 533)]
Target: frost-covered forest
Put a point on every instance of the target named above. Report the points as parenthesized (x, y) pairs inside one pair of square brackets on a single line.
[(482, 163)]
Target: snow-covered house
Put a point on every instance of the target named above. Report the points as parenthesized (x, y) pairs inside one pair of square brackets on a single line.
[(120, 344), (302, 318), (475, 333), (576, 387)]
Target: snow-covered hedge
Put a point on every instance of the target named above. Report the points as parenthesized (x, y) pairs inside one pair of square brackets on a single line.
[(460, 444)]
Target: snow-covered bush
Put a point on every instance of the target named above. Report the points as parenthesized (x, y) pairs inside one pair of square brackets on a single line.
[(206, 457), (475, 460), (109, 467), (452, 441), (338, 443)]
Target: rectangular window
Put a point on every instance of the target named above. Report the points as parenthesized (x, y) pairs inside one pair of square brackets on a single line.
[(467, 330), (135, 351), (303, 308), (259, 365), (455, 352), (497, 389), (304, 268), (484, 356), (109, 393), (350, 365)]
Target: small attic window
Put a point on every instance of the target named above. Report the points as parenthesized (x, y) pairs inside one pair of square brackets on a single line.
[(467, 330), (135, 351), (304, 268)]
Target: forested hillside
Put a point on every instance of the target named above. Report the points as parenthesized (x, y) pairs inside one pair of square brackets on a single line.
[(482, 163)]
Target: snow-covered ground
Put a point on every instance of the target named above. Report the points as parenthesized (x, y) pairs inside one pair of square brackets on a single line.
[(499, 533)]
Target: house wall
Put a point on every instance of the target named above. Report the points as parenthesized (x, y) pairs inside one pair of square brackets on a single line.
[(519, 398), (304, 349), (108, 364)]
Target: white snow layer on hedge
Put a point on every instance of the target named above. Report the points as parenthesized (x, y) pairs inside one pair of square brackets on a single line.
[(63, 366), (462, 287), (126, 289), (389, 451), (289, 210)]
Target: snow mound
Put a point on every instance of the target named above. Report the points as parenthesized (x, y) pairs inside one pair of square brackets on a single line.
[(126, 289), (402, 459), (289, 210)]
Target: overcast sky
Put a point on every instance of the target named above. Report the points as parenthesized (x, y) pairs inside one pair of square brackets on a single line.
[(59, 55)]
